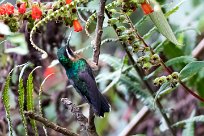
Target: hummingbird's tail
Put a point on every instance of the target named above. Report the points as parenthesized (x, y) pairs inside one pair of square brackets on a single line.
[(103, 107)]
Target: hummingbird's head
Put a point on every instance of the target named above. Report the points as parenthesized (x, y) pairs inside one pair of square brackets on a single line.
[(65, 54)]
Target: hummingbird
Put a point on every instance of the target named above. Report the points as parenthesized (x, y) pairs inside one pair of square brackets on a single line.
[(81, 77)]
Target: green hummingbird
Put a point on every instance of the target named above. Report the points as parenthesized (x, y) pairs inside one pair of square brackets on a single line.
[(81, 77)]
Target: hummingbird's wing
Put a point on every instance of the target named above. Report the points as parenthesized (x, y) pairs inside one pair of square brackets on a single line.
[(93, 95)]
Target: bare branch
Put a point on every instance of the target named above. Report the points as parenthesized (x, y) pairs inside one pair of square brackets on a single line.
[(198, 49), (76, 112), (50, 124), (87, 125), (99, 31), (91, 127), (135, 121)]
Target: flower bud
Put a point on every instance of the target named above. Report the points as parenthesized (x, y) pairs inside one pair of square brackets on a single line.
[(146, 7), (123, 37), (156, 81), (121, 18), (112, 21), (155, 59), (162, 80), (169, 78), (147, 66), (175, 75), (120, 29)]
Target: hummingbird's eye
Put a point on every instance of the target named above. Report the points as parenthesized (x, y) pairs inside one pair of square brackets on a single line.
[(65, 54)]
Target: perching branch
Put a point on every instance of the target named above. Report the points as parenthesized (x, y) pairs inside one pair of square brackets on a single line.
[(99, 31), (76, 112), (50, 124), (87, 124), (91, 126)]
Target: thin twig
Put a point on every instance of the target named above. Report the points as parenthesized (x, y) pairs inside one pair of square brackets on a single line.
[(50, 124), (134, 122), (99, 31), (91, 127), (198, 49)]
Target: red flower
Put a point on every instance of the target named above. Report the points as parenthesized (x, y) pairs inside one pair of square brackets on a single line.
[(49, 71), (36, 12), (68, 1), (22, 8), (77, 26), (7, 8), (147, 9), (2, 10)]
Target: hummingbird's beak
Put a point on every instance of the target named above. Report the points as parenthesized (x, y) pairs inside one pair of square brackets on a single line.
[(70, 53)]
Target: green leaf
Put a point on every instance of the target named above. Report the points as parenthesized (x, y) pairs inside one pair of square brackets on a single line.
[(199, 87), (21, 104), (179, 60), (189, 127), (193, 119), (21, 100), (135, 87), (19, 41), (171, 51), (191, 69), (5, 98), (167, 14), (112, 61), (30, 100), (161, 23)]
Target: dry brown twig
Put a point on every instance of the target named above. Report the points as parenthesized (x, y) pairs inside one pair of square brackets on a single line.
[(88, 125), (99, 31), (49, 124), (76, 112)]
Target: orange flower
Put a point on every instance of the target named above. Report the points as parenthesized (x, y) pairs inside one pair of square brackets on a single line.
[(77, 26), (36, 12), (68, 1), (147, 9)]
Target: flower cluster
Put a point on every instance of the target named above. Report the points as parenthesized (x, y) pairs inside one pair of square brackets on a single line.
[(172, 79), (6, 9), (36, 11)]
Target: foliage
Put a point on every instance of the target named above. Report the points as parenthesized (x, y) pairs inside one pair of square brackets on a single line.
[(5, 97), (21, 100), (147, 59)]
